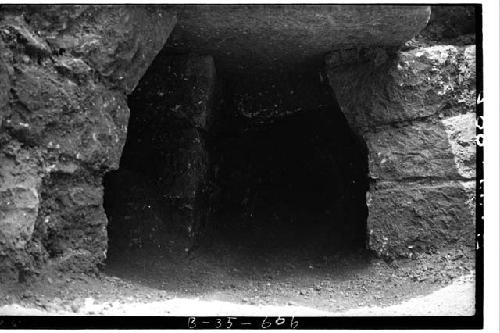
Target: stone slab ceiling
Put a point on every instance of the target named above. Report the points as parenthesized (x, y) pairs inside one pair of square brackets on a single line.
[(243, 37)]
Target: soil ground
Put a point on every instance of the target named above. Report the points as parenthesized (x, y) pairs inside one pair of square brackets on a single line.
[(230, 281)]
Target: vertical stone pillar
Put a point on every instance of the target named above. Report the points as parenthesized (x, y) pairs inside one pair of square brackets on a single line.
[(184, 170), (416, 112)]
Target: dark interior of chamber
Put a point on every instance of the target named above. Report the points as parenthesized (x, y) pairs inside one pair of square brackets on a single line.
[(293, 175)]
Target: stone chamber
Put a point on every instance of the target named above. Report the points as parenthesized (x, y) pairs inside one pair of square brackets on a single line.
[(268, 160), (179, 128)]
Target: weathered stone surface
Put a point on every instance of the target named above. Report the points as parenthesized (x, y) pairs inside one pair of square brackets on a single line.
[(19, 200), (184, 176), (449, 22), (64, 72), (415, 109), (412, 217), (84, 122), (172, 110), (438, 149), (246, 37), (171, 116), (71, 220), (423, 82), (116, 41), (461, 131)]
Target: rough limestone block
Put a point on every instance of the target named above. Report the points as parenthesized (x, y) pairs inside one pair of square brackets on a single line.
[(185, 161), (261, 38), (412, 217), (83, 122), (416, 112), (172, 113), (118, 42), (389, 88), (64, 73), (18, 213), (19, 203), (444, 149), (461, 131), (72, 220), (18, 210), (19, 197)]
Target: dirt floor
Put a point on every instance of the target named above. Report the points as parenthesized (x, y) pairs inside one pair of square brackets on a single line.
[(234, 281)]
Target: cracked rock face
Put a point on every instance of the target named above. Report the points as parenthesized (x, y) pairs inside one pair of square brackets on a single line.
[(64, 73)]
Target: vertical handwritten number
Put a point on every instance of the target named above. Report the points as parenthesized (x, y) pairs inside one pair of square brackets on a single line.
[(265, 323), (280, 321), (191, 322), (479, 99), (479, 140), (479, 122), (219, 323), (294, 323)]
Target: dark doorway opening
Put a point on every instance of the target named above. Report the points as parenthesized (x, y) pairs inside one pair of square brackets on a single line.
[(293, 183), (290, 172), (277, 169)]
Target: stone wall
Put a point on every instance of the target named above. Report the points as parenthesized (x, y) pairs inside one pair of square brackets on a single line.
[(64, 75), (66, 71), (415, 109)]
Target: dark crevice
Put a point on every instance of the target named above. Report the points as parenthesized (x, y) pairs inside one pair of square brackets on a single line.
[(445, 112), (421, 180)]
